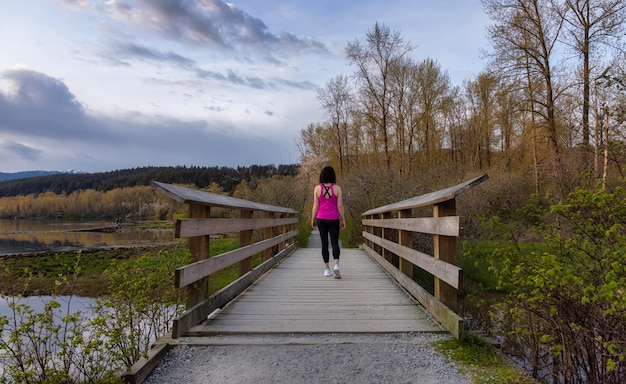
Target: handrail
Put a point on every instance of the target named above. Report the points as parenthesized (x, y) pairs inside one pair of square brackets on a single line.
[(278, 225), (388, 237)]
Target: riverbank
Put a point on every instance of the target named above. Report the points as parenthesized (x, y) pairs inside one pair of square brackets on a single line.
[(79, 273)]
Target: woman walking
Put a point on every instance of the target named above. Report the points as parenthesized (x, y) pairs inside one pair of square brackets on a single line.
[(329, 216)]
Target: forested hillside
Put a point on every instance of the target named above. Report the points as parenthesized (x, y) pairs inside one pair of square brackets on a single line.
[(225, 177)]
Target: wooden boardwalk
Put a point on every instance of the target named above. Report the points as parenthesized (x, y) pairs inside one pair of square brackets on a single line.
[(295, 298)]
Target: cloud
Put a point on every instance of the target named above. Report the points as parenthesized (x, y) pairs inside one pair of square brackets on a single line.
[(37, 104), (22, 151), (122, 51), (210, 22), (136, 51), (39, 109)]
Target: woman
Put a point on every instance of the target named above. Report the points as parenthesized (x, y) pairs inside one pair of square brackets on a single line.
[(329, 216)]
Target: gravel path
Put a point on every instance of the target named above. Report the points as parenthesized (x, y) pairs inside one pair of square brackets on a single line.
[(338, 358)]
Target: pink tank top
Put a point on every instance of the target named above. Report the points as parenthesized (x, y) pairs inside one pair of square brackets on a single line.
[(328, 203)]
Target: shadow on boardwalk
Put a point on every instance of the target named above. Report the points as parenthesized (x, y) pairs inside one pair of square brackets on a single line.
[(296, 326)]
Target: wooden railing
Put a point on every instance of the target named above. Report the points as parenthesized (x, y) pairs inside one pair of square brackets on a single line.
[(278, 225), (388, 238)]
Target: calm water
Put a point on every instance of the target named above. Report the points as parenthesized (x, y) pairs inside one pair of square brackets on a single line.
[(29, 236)]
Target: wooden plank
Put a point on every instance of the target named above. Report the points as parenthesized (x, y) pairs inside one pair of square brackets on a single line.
[(450, 320), (245, 239), (190, 273), (199, 312), (199, 249), (140, 371), (443, 270), (213, 226), (194, 196), (445, 249), (447, 226), (429, 198), (405, 239), (296, 298)]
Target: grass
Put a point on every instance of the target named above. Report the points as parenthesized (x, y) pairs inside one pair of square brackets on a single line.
[(481, 362), (38, 274), (476, 257)]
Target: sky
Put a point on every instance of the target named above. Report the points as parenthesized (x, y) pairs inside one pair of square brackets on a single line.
[(103, 85)]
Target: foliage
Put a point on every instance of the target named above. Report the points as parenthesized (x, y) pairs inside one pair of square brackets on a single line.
[(565, 315), (42, 271), (480, 360), (60, 346), (51, 346), (141, 304)]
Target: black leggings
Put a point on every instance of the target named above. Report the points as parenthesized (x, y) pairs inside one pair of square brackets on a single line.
[(327, 227)]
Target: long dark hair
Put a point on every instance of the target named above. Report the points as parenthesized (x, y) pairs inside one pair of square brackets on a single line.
[(328, 175)]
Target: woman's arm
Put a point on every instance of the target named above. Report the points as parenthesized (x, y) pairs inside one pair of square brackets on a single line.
[(342, 216), (316, 205)]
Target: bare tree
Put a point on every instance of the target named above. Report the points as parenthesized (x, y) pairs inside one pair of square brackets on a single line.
[(336, 101), (481, 95), (524, 37), (374, 59), (434, 89), (590, 25)]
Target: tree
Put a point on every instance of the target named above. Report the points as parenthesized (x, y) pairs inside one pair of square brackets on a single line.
[(481, 95), (524, 36), (433, 91), (336, 101), (590, 24), (375, 59)]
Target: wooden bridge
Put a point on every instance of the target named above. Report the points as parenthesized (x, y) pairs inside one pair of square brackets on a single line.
[(287, 293)]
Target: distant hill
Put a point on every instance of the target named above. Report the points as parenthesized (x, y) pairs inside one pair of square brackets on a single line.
[(25, 175), (29, 174), (68, 182)]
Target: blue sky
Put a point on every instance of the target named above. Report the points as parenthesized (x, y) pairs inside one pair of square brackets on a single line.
[(100, 85)]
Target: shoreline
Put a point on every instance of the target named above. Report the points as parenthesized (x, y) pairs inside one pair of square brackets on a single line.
[(22, 274)]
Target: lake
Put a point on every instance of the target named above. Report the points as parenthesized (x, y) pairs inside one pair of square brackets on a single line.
[(18, 236)]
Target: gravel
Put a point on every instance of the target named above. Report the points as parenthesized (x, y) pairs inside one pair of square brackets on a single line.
[(310, 359)]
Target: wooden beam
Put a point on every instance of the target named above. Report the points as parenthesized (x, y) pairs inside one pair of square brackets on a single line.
[(213, 226), (245, 239), (199, 248), (405, 239), (439, 268), (447, 226), (446, 316), (191, 273), (195, 315), (445, 250)]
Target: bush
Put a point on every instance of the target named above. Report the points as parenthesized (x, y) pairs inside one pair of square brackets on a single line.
[(565, 314), (57, 345)]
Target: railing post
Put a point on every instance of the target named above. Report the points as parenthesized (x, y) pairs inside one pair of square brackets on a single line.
[(445, 249), (268, 233), (405, 238), (387, 235), (377, 231), (199, 249), (245, 238), (283, 230), (368, 229)]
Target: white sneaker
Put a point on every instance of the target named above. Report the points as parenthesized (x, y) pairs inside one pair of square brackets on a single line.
[(327, 272), (337, 272)]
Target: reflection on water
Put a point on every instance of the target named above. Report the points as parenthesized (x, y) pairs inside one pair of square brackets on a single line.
[(30, 236)]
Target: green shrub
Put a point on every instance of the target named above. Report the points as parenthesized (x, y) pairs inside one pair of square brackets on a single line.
[(565, 313)]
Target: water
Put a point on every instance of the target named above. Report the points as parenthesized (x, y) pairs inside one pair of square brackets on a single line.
[(33, 236), (69, 304)]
